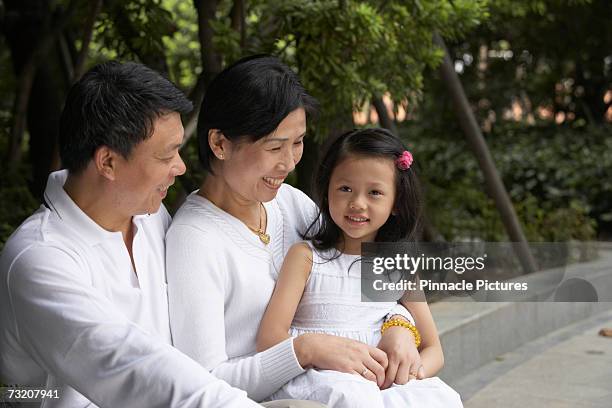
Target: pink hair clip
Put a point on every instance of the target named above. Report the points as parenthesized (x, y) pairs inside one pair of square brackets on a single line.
[(404, 161)]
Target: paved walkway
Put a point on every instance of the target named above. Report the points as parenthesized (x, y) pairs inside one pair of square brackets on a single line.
[(571, 367)]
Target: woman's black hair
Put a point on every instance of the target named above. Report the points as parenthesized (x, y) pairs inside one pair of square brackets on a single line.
[(249, 99), (114, 104), (404, 224)]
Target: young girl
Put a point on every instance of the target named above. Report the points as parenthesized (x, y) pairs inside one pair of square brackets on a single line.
[(366, 191)]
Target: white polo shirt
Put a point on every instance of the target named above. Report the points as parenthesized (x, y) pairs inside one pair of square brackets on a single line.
[(74, 314)]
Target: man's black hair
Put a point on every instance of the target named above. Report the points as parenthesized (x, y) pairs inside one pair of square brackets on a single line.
[(114, 104)]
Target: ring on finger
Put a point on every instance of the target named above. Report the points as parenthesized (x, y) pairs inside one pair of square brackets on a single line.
[(364, 372)]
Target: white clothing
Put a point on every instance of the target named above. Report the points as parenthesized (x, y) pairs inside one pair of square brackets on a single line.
[(331, 304), (220, 279), (75, 315)]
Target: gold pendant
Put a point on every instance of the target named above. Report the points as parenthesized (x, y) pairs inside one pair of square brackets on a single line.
[(265, 238)]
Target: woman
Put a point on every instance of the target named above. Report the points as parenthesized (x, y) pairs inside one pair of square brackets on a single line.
[(227, 242)]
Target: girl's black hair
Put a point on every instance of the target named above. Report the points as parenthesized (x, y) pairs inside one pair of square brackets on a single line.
[(404, 224), (249, 99)]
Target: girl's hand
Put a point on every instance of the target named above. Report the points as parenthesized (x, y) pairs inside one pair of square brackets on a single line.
[(404, 358), (329, 352)]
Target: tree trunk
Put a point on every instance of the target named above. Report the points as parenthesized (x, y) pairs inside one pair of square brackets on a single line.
[(308, 165), (79, 66), (211, 61), (237, 15), (196, 95), (476, 141), (20, 106), (383, 116), (44, 110), (31, 36)]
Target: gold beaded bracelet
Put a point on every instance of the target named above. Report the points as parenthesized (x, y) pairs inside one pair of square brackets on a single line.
[(405, 324)]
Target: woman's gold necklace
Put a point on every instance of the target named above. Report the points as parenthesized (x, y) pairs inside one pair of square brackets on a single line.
[(263, 237)]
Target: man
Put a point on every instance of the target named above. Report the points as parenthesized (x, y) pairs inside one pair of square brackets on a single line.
[(83, 303)]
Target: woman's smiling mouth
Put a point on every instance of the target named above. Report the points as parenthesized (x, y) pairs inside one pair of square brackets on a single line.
[(273, 182)]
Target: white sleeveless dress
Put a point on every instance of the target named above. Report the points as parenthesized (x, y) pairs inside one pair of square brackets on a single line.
[(331, 304)]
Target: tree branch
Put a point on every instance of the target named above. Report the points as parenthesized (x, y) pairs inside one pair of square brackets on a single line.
[(477, 143), (196, 95), (26, 79), (79, 66), (211, 62)]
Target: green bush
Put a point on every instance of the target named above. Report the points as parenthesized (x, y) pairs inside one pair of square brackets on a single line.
[(16, 203), (559, 179)]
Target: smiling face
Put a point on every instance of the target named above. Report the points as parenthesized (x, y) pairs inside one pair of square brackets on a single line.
[(255, 171), (144, 177), (361, 196)]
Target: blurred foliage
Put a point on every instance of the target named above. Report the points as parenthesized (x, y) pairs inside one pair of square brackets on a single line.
[(540, 53), (17, 202), (348, 51), (131, 29), (558, 178), (183, 47), (554, 55), (536, 74)]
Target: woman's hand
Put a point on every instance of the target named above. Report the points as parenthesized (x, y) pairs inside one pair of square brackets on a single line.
[(329, 352), (404, 359)]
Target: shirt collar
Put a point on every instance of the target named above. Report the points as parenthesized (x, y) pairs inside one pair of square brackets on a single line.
[(58, 201)]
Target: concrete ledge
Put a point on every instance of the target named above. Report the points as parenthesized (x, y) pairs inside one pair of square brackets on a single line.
[(570, 367), (475, 333)]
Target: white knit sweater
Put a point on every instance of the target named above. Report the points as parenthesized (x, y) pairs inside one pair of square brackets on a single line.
[(220, 279)]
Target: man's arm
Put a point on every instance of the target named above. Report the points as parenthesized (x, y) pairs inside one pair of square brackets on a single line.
[(75, 333)]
